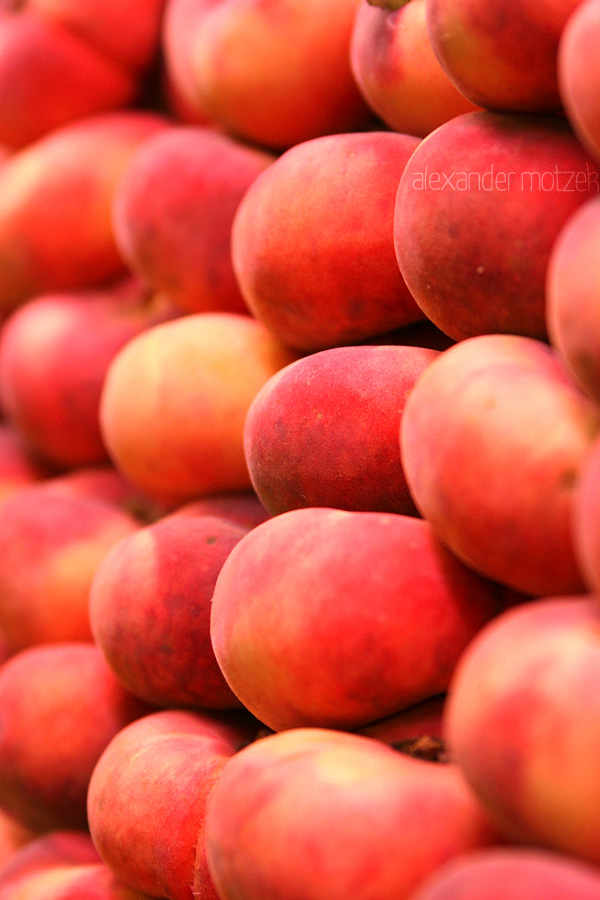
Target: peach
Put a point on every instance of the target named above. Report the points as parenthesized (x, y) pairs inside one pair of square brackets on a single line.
[(397, 71), (51, 543), (493, 437), (54, 354), (479, 206), (147, 798), (173, 211), (60, 706), (579, 73), (175, 399), (250, 67), (150, 610), (50, 77), (336, 619), (312, 241), (498, 61), (129, 33), (522, 722), (324, 430), (55, 206), (326, 815), (62, 60), (515, 873), (573, 296), (17, 466)]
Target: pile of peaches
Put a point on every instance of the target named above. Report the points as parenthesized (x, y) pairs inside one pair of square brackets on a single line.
[(299, 450)]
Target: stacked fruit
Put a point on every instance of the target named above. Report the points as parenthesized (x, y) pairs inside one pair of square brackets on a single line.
[(299, 450)]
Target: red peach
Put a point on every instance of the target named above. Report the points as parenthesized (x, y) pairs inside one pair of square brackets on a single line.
[(55, 206), (173, 211), (49, 77), (498, 61), (493, 436), (150, 605), (62, 60), (54, 848), (51, 543), (324, 430), (397, 71), (579, 73), (71, 882), (54, 354), (180, 23), (59, 708), (325, 815), (183, 111), (147, 799), (337, 619), (13, 836), (479, 206), (182, 435), (515, 873), (312, 241), (522, 721)]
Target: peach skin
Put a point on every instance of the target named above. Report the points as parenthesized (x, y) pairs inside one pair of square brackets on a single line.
[(147, 798), (324, 430)]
